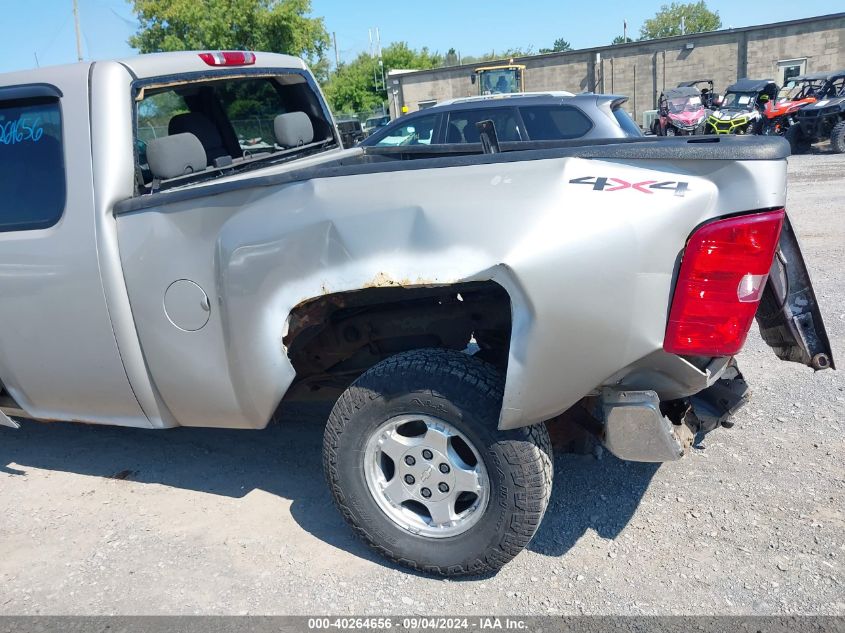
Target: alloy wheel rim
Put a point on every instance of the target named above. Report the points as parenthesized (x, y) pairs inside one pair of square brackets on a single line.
[(426, 476)]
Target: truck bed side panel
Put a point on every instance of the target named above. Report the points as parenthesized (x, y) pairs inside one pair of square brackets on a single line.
[(610, 232)]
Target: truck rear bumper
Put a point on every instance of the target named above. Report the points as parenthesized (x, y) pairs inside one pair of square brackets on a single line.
[(637, 428)]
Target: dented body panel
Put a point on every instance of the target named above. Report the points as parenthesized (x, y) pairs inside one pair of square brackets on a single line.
[(588, 270)]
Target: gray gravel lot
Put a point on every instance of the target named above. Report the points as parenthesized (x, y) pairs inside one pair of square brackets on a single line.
[(122, 521)]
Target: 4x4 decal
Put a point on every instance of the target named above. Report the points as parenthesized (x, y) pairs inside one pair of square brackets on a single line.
[(601, 183)]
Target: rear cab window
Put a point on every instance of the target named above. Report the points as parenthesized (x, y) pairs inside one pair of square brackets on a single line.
[(233, 117), (32, 169)]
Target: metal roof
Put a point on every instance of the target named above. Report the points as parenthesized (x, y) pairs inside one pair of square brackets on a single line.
[(685, 84), (682, 91), (158, 64), (750, 85), (521, 99), (811, 77), (509, 95)]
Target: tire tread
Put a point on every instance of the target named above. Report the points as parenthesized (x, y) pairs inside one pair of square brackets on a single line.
[(527, 450)]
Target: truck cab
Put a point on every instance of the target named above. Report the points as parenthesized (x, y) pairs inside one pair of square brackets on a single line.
[(78, 139)]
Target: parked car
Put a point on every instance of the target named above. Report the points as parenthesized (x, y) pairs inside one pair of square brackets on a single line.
[(516, 117), (449, 305), (351, 132), (741, 109), (680, 112), (375, 123), (824, 119), (780, 114)]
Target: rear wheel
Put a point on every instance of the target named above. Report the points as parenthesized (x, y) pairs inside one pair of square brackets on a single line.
[(419, 470), (837, 138), (797, 143)]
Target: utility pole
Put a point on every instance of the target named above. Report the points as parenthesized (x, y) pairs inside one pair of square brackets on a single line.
[(380, 60), (78, 33), (336, 56), (372, 56), (625, 31)]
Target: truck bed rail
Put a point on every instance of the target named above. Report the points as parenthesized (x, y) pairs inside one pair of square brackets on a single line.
[(393, 159)]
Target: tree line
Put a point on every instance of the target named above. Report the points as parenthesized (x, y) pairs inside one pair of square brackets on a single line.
[(288, 26)]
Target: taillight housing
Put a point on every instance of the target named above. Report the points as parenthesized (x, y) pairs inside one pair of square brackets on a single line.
[(724, 270), (228, 58)]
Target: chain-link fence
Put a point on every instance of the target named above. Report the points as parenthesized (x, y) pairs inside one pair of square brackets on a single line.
[(251, 130)]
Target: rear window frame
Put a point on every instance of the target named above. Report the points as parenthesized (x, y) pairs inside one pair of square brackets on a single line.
[(160, 81), (25, 92)]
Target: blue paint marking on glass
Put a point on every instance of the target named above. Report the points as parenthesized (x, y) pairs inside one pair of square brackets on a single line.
[(20, 131)]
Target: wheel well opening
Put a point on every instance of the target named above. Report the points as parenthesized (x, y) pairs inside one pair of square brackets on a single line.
[(333, 339)]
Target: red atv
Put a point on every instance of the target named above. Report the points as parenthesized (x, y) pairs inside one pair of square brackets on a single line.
[(781, 113), (680, 112)]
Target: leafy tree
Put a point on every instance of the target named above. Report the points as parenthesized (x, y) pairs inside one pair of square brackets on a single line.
[(621, 40), (451, 58), (357, 86), (400, 56), (506, 54), (697, 18), (279, 26), (352, 87), (560, 46)]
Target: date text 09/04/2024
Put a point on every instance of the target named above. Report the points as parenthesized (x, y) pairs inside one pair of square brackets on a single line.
[(484, 623)]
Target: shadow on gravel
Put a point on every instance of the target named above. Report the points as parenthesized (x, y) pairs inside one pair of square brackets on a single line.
[(590, 493), (286, 460)]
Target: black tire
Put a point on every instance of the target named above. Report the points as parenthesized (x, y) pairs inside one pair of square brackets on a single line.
[(837, 138), (467, 394), (797, 143)]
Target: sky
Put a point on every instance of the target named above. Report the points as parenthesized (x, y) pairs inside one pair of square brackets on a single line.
[(40, 32)]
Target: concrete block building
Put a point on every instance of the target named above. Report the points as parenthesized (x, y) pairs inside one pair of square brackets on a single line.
[(641, 70)]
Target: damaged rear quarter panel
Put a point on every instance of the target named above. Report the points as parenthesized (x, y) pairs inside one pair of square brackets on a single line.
[(588, 272)]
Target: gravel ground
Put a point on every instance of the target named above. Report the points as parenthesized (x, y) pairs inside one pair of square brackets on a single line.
[(122, 521)]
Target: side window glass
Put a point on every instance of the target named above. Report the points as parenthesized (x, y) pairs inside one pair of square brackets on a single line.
[(552, 123), (419, 131), (32, 169), (461, 127)]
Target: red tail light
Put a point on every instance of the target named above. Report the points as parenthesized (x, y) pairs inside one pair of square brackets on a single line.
[(228, 58), (723, 273)]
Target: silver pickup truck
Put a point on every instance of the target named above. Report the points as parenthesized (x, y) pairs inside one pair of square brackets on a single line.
[(184, 242)]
